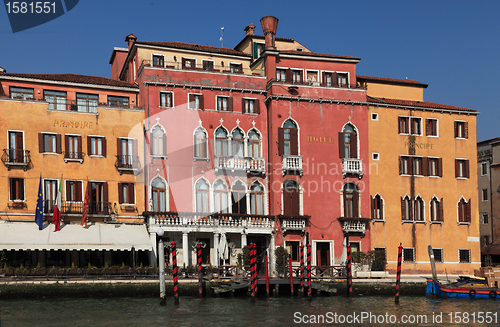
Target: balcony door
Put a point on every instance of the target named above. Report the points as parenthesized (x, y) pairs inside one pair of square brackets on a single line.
[(348, 142), (16, 153), (239, 198), (288, 140), (99, 198), (291, 203), (50, 187), (351, 196)]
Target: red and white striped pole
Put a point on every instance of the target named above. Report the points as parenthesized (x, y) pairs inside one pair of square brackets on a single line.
[(255, 278), (252, 268), (267, 276), (291, 272), (200, 287), (301, 269), (349, 274), (398, 276), (309, 290), (174, 273)]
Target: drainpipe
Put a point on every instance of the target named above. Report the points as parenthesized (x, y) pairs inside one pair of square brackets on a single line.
[(146, 203), (490, 161)]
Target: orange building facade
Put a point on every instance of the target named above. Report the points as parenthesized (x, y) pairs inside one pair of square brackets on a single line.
[(69, 131), (423, 181)]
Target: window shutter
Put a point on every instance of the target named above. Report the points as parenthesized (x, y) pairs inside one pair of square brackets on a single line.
[(66, 144), (202, 103), (191, 101), (468, 212), (131, 193), (89, 145), (288, 76), (295, 202), (403, 209), (381, 208), (335, 79), (341, 145), (103, 143), (372, 207), (456, 129), (440, 211), (230, 104), (80, 154), (164, 144), (119, 147), (457, 169), (40, 143), (19, 141), (151, 144), (281, 141), (355, 201), (78, 191), (467, 168), (466, 130), (425, 166), (255, 50), (120, 193), (11, 185), (440, 167), (400, 165), (399, 126), (410, 166), (354, 145), (256, 106), (58, 144), (21, 189), (135, 149), (323, 78), (294, 142), (105, 194), (68, 193), (411, 204), (243, 105), (427, 127)]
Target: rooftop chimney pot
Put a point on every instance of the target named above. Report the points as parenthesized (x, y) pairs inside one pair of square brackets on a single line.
[(131, 38), (269, 27), (250, 29)]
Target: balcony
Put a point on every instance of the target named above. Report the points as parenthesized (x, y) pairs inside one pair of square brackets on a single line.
[(293, 223), (17, 159), (70, 207), (352, 166), (127, 164), (73, 156), (292, 164), (246, 164), (354, 226), (208, 221), (200, 67)]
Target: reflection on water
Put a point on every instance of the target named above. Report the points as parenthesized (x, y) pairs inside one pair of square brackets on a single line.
[(278, 311)]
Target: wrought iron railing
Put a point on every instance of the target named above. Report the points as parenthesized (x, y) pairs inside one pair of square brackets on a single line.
[(70, 207), (16, 157), (200, 67), (127, 163)]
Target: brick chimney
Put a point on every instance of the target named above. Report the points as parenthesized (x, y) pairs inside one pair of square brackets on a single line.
[(250, 29), (131, 38), (269, 26)]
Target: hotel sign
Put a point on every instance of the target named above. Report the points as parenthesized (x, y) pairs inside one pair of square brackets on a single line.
[(72, 124), (320, 139), (420, 145)]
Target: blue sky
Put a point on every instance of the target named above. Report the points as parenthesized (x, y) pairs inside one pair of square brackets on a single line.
[(451, 45)]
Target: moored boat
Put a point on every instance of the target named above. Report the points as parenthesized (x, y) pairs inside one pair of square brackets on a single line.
[(465, 287)]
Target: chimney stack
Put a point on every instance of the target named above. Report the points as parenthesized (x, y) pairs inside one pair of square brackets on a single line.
[(131, 38), (269, 26), (250, 29)]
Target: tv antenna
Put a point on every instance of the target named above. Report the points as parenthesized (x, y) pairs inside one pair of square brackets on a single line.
[(222, 37)]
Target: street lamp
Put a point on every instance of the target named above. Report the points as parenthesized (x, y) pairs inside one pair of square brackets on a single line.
[(161, 265)]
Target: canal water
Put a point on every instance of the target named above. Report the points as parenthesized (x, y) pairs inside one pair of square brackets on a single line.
[(277, 311)]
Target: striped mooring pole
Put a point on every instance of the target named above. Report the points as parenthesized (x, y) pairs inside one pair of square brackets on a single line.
[(349, 274), (301, 269), (252, 268), (255, 278), (174, 273), (267, 275), (200, 287), (398, 276), (309, 289)]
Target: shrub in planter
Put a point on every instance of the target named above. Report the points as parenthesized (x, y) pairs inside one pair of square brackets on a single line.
[(244, 257), (281, 255), (379, 262)]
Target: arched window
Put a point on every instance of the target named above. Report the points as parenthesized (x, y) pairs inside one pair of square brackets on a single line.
[(348, 142), (291, 205), (221, 142), (351, 200), (419, 209), (436, 209), (239, 198), (200, 143), (158, 142), (158, 192), (256, 199), (237, 144), (220, 197), (202, 189), (406, 211), (464, 211), (253, 144), (377, 207), (288, 139)]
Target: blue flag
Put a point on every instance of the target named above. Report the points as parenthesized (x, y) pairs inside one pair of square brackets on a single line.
[(39, 206)]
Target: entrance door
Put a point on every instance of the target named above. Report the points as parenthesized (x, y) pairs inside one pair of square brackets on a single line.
[(261, 245), (323, 253)]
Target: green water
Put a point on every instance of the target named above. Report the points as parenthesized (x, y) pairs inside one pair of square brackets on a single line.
[(278, 311)]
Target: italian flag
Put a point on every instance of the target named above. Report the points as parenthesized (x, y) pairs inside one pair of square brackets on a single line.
[(56, 218)]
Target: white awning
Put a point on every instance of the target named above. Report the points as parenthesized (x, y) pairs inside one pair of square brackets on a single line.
[(27, 236)]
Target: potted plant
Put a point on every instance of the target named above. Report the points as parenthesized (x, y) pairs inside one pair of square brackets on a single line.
[(281, 255)]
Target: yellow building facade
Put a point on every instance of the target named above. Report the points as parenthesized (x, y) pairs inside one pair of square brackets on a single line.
[(72, 133), (423, 184)]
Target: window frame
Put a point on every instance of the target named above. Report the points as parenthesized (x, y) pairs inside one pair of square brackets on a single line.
[(23, 91), (462, 169), (377, 206), (233, 65), (19, 191), (57, 95), (196, 96), (91, 142), (167, 103), (281, 74), (300, 73), (461, 129), (416, 123), (406, 251), (202, 147), (293, 248), (405, 165), (485, 218), (436, 210), (155, 150), (484, 169), (466, 252), (224, 103), (89, 98), (210, 66), (484, 194), (161, 62), (255, 106), (374, 116), (404, 125), (438, 254), (432, 127), (130, 192), (121, 101), (464, 216), (75, 194), (42, 144)]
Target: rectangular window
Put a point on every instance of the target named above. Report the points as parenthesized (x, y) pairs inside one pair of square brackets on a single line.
[(258, 48), (280, 75), (236, 68), (484, 168), (409, 254), (403, 125), (195, 101), (416, 126), (461, 168), (49, 143), (74, 191), (56, 99), (464, 255), (50, 194), (114, 101), (328, 79), (461, 129), (158, 61), (73, 147), (431, 127), (188, 63), (21, 93), (417, 166), (96, 145), (293, 249), (484, 194), (435, 167), (312, 77), (405, 165), (464, 211), (87, 102), (126, 193), (438, 255), (222, 103), (16, 189), (485, 218), (296, 76), (249, 106), (166, 99), (208, 65), (342, 79)]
